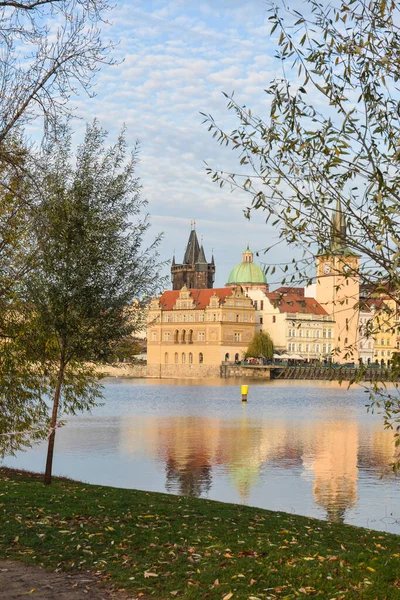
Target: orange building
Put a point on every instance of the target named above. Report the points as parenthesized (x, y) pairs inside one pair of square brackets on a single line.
[(191, 332)]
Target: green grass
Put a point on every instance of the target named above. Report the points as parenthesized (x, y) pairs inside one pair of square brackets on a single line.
[(169, 546)]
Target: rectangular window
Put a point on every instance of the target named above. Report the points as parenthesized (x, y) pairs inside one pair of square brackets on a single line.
[(324, 333), (167, 336), (261, 304), (238, 337), (201, 336), (274, 319), (255, 304), (154, 336)]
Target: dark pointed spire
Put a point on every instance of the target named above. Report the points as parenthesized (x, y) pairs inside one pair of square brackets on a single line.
[(338, 230), (201, 257), (192, 249)]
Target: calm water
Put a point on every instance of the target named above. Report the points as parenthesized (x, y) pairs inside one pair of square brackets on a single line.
[(306, 448)]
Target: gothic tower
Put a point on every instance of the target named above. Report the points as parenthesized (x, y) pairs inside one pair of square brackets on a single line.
[(195, 272), (338, 288)]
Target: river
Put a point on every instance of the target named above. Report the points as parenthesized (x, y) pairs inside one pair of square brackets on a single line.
[(308, 448)]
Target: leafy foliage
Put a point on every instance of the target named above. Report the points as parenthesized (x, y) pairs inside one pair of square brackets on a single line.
[(330, 139), (89, 266), (261, 345), (50, 50)]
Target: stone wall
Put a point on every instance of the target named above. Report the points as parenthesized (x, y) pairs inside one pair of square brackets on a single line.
[(256, 372), (122, 370), (184, 371)]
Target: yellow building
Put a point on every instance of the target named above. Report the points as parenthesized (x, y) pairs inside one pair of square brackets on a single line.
[(386, 329), (191, 332), (338, 289)]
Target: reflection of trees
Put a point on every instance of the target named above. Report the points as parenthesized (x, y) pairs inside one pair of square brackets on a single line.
[(193, 479), (190, 447)]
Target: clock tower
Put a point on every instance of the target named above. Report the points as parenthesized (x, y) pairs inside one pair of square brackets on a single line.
[(338, 288)]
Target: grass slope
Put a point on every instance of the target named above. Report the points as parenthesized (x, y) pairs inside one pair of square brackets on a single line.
[(169, 546)]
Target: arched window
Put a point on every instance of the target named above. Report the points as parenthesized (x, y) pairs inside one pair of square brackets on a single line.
[(201, 357), (176, 336), (166, 358), (190, 358), (183, 336), (176, 358), (237, 357), (227, 356), (183, 358), (190, 336)]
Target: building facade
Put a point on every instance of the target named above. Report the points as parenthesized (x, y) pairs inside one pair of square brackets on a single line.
[(191, 332), (298, 326)]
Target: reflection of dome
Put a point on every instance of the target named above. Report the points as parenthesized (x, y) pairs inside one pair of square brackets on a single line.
[(247, 272)]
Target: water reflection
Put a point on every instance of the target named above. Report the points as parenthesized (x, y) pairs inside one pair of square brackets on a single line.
[(311, 450), (328, 452)]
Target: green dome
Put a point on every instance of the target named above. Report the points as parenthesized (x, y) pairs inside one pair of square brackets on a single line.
[(247, 272)]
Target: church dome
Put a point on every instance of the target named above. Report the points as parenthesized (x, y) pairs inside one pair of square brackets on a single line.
[(247, 272)]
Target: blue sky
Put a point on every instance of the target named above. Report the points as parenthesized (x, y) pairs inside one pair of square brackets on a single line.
[(178, 57)]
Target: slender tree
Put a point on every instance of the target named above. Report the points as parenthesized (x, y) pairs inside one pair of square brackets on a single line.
[(330, 137), (261, 345), (90, 265)]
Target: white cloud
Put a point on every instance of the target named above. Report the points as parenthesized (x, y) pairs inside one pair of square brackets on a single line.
[(178, 57)]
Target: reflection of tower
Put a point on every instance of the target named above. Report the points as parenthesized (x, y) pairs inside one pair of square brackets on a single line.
[(335, 468)]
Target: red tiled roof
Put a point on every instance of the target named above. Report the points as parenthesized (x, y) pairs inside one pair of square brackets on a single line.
[(201, 298), (299, 291), (292, 303), (168, 299)]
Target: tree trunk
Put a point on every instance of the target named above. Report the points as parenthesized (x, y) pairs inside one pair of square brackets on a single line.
[(53, 423)]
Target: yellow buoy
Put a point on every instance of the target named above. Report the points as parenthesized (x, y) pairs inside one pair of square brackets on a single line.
[(244, 390)]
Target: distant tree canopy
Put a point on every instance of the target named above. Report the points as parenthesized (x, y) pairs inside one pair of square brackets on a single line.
[(260, 346)]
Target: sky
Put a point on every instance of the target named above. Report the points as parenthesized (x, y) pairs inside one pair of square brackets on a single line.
[(176, 58)]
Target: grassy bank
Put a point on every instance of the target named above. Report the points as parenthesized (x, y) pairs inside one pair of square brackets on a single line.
[(167, 546)]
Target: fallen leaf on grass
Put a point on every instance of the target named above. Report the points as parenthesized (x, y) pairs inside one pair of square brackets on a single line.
[(147, 574), (228, 596), (371, 569)]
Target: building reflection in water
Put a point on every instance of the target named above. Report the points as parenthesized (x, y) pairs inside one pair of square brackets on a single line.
[(335, 468), (329, 451)]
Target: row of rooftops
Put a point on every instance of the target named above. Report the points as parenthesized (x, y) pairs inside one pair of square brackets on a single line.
[(286, 301)]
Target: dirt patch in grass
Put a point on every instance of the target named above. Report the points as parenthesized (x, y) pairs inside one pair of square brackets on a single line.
[(19, 580)]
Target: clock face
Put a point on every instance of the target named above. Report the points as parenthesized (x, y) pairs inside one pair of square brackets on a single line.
[(327, 268)]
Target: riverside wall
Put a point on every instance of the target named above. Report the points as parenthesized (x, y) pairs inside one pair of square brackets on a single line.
[(228, 371)]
